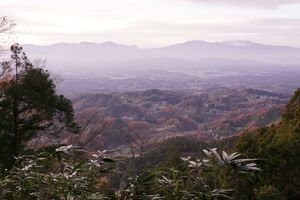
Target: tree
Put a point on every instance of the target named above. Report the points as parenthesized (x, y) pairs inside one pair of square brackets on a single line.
[(5, 25), (29, 105)]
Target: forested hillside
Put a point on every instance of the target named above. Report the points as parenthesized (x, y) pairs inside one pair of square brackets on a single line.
[(279, 148), (156, 115), (175, 169)]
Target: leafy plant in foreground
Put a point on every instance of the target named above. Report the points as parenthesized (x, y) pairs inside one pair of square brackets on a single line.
[(58, 174), (204, 178)]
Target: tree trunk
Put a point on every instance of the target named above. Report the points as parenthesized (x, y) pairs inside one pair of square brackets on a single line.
[(15, 129), (15, 115)]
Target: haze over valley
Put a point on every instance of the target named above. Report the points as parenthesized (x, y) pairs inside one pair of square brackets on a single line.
[(188, 89), (197, 89), (107, 67)]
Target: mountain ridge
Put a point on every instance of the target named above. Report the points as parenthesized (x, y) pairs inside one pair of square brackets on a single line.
[(112, 57), (225, 42)]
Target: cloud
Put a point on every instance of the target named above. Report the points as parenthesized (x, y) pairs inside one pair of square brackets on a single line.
[(281, 31), (249, 3), (155, 33), (152, 22)]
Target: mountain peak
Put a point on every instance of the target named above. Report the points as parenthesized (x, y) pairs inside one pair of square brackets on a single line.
[(239, 43), (114, 44), (110, 43), (194, 42)]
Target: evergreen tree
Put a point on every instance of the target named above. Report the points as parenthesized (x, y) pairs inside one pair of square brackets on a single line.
[(28, 105)]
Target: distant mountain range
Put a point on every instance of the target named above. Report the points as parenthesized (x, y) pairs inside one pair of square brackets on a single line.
[(109, 56)]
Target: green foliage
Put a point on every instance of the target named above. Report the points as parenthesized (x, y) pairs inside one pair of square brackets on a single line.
[(279, 148), (28, 105), (58, 174), (204, 178), (167, 154), (140, 187)]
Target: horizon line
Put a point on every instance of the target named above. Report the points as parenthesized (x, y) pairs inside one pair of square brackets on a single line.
[(171, 44)]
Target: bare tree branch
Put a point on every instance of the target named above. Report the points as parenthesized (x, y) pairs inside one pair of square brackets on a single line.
[(5, 25)]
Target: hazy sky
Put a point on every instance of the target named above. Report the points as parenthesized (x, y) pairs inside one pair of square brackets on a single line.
[(154, 23)]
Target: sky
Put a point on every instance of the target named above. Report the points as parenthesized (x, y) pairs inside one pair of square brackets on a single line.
[(154, 23)]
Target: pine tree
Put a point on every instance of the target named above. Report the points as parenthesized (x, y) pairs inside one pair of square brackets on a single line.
[(28, 105)]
